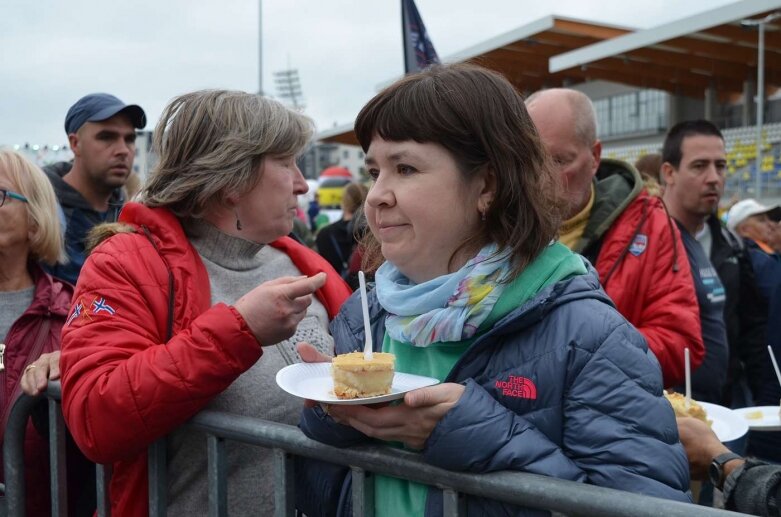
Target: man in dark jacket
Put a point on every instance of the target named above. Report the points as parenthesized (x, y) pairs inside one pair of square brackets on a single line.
[(101, 133), (622, 230), (755, 224), (693, 170)]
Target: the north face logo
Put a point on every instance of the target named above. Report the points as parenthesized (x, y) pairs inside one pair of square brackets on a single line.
[(518, 387)]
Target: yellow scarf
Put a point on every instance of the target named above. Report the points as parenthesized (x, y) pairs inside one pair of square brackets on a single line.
[(572, 229)]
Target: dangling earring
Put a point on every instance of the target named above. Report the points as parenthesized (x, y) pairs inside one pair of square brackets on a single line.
[(482, 215), (238, 222)]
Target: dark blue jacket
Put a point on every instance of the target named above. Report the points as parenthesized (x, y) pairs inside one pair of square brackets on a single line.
[(80, 218), (745, 312), (767, 270), (595, 414)]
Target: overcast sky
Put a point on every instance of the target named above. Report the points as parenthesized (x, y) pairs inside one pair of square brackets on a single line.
[(147, 51)]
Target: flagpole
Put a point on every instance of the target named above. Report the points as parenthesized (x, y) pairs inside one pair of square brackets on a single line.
[(260, 47), (405, 36)]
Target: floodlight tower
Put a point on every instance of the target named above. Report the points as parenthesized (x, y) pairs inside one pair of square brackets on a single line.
[(289, 87)]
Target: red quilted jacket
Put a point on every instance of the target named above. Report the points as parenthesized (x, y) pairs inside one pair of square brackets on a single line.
[(123, 385), (643, 267)]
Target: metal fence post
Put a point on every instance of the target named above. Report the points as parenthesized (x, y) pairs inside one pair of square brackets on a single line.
[(363, 493), (453, 503), (218, 477), (57, 461), (102, 479), (284, 484), (158, 479)]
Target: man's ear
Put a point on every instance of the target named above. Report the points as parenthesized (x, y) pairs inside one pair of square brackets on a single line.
[(73, 141), (667, 173), (596, 157)]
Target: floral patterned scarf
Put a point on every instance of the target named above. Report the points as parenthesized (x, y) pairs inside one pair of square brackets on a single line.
[(448, 308)]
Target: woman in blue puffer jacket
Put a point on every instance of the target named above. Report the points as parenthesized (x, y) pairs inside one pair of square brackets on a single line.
[(539, 372)]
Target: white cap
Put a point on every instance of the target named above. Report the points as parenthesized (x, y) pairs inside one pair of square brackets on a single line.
[(742, 210)]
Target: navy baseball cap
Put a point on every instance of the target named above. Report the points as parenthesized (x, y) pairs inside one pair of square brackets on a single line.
[(101, 106)]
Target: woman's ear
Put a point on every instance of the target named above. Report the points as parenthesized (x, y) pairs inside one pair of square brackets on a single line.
[(487, 189), (32, 228), (231, 200)]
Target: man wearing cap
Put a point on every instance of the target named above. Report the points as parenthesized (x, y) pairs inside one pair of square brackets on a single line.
[(694, 162), (101, 132), (752, 220), (756, 224)]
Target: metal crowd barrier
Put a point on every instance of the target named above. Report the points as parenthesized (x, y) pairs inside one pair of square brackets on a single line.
[(287, 441)]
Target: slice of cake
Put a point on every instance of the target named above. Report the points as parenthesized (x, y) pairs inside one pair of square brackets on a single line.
[(355, 377), (680, 407)]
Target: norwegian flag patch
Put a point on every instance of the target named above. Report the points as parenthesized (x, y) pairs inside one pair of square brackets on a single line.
[(638, 245)]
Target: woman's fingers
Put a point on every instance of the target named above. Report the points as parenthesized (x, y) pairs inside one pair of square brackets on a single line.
[(274, 309), (310, 354), (447, 393), (37, 374), (304, 286)]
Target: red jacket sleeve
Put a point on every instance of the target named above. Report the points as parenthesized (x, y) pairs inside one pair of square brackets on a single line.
[(123, 387), (653, 287)]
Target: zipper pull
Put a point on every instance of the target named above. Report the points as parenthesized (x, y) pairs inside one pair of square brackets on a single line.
[(2, 357)]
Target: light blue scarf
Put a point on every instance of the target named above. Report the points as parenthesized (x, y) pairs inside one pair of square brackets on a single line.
[(448, 308)]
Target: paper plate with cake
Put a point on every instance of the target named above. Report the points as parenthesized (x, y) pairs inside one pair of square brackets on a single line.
[(350, 379), (726, 423), (761, 418)]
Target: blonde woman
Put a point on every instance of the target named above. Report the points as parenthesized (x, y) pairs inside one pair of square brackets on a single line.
[(196, 302), (34, 304)]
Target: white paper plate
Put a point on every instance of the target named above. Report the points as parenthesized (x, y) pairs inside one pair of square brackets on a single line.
[(769, 421), (727, 424), (313, 381)]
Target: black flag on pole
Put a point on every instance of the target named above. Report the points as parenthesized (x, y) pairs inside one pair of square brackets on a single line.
[(418, 50)]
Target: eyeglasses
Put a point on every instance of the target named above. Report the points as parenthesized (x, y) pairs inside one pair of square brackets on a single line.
[(5, 194)]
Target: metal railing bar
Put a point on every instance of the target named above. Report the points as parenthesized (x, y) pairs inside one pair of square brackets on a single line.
[(13, 455), (453, 503), (363, 493), (158, 478), (218, 476), (284, 484), (57, 460), (519, 488), (102, 479)]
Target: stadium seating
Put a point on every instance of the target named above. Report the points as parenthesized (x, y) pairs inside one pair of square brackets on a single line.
[(741, 157)]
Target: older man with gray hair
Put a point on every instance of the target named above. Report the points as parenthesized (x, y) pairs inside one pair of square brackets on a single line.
[(622, 230)]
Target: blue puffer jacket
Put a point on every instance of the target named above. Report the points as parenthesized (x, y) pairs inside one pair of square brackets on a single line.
[(563, 386)]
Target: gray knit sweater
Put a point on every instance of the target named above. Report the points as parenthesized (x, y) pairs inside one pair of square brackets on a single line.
[(235, 266)]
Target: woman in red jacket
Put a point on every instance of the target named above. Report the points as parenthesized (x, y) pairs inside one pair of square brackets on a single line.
[(174, 310), (34, 304)]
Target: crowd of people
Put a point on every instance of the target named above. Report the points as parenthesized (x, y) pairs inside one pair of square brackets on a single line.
[(500, 243)]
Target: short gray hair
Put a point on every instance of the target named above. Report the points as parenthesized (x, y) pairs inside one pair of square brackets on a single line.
[(211, 143), (585, 117)]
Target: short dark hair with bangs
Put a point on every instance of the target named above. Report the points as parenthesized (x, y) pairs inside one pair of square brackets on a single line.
[(673, 142), (479, 117)]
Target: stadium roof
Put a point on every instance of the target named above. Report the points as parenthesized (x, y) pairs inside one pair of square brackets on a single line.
[(522, 56), (685, 56)]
